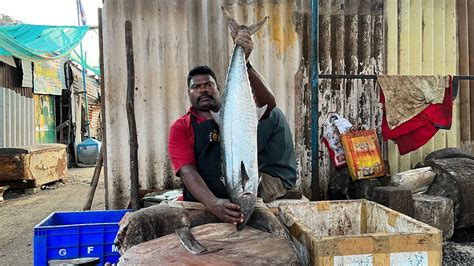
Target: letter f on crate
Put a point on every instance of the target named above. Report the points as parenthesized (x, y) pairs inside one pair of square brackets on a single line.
[(89, 250)]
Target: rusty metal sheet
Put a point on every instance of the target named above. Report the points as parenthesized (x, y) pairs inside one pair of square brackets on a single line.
[(350, 42), (171, 37)]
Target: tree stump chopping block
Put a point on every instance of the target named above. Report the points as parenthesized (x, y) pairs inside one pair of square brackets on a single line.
[(436, 211), (227, 246), (395, 198), (455, 180)]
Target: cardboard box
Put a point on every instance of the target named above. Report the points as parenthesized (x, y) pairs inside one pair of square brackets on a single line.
[(359, 232), (363, 155)]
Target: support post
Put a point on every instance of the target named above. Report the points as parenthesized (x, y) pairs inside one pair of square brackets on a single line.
[(315, 188), (132, 126)]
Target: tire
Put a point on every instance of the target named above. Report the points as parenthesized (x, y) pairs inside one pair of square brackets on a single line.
[(449, 153)]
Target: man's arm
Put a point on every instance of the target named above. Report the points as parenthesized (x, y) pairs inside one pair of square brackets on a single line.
[(222, 208), (261, 91), (181, 152)]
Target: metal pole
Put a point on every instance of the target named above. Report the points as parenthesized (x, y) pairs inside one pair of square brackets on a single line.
[(315, 188), (83, 75)]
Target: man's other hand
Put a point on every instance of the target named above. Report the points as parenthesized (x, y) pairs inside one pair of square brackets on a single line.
[(244, 40), (226, 211)]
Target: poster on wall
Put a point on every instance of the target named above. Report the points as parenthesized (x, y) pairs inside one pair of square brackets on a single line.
[(45, 119), (49, 77)]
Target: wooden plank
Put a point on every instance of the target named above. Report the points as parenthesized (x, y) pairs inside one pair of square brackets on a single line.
[(391, 18), (102, 109), (428, 55), (2, 116), (404, 58), (439, 40), (464, 93), (453, 136), (470, 8), (416, 56), (132, 126)]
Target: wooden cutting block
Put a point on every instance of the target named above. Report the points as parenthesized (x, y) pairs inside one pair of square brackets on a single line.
[(227, 247)]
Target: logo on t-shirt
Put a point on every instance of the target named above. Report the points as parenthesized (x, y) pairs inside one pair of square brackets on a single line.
[(214, 136)]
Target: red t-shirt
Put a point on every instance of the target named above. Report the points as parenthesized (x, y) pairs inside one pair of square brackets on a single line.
[(181, 141)]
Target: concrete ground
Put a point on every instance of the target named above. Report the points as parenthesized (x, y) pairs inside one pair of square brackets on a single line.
[(20, 212)]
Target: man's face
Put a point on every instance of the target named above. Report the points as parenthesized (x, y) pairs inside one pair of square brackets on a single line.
[(203, 93)]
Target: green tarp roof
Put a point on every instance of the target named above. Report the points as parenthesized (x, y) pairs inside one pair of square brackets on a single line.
[(38, 42)]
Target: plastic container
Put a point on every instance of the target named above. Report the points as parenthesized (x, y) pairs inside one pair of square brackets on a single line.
[(69, 235), (88, 152)]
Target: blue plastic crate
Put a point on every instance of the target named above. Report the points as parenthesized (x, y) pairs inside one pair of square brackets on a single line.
[(69, 235)]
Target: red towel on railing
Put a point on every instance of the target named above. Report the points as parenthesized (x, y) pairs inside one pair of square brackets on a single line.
[(417, 131)]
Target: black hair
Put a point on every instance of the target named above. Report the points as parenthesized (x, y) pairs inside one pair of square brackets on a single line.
[(201, 70)]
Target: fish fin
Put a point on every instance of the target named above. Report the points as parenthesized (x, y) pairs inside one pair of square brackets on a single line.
[(233, 25), (254, 27), (243, 173), (261, 111), (215, 116)]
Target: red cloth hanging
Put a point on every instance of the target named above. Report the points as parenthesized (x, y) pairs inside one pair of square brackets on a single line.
[(417, 131)]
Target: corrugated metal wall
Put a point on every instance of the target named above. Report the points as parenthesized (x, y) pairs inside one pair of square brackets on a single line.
[(170, 37), (350, 42), (93, 101), (465, 12), (17, 127), (92, 85), (421, 40)]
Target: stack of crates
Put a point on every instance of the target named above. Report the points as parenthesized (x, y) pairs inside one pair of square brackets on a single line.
[(69, 235)]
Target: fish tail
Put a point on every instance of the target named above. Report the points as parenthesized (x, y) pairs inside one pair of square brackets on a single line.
[(235, 27)]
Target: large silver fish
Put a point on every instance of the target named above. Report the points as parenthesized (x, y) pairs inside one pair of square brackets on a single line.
[(238, 119)]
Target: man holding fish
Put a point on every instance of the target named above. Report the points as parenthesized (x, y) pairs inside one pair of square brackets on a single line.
[(211, 176), (195, 150)]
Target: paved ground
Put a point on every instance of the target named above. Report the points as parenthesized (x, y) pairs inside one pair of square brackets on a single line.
[(19, 213)]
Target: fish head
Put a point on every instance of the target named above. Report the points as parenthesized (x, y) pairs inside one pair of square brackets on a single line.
[(246, 201), (203, 93)]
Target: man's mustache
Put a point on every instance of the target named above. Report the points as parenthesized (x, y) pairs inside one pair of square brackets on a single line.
[(204, 94)]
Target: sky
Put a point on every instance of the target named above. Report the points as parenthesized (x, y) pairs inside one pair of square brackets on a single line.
[(57, 12), (49, 12)]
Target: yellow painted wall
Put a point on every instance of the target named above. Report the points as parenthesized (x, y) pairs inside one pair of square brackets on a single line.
[(421, 40)]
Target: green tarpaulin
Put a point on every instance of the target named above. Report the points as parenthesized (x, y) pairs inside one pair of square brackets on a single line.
[(38, 42)]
